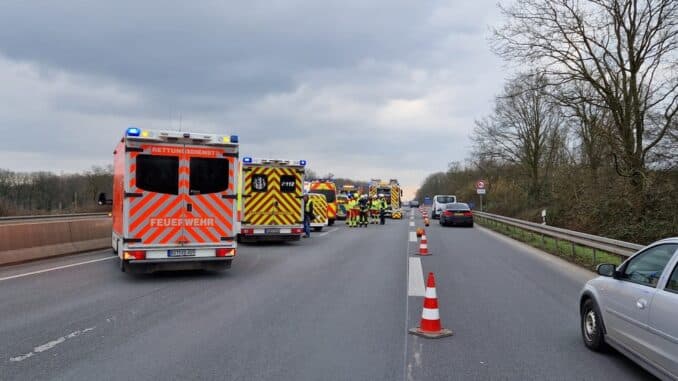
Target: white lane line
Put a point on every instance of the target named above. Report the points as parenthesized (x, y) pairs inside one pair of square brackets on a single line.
[(50, 345), (411, 223), (413, 237), (415, 286), (328, 231), (56, 268)]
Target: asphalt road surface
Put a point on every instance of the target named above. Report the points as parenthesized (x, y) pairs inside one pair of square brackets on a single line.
[(334, 307)]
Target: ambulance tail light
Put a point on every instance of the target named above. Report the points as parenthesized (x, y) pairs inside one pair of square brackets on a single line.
[(247, 231), (297, 230), (225, 252), (135, 254)]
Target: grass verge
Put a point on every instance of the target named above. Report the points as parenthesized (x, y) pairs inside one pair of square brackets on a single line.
[(581, 255)]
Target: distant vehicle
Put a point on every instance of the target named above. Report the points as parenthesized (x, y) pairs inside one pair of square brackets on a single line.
[(174, 200), (439, 202), (320, 211), (456, 214), (634, 308), (392, 193), (414, 203), (342, 200), (329, 189)]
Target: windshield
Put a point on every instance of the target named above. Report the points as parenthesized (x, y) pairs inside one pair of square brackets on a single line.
[(385, 191), (446, 199), (330, 195)]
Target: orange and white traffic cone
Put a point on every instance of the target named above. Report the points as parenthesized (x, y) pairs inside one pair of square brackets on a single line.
[(423, 247), (423, 238), (426, 222), (430, 326)]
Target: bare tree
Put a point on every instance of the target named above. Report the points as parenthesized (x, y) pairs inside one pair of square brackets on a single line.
[(624, 49), (525, 128)]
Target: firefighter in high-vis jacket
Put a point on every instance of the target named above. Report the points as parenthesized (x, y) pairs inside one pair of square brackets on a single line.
[(355, 213), (374, 210), (382, 210), (364, 210)]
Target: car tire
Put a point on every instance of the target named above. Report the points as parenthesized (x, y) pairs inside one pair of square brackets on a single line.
[(592, 326), (470, 225)]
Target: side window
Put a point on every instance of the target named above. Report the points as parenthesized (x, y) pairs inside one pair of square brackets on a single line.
[(647, 267), (208, 175), (288, 184), (673, 281), (158, 174), (259, 183)]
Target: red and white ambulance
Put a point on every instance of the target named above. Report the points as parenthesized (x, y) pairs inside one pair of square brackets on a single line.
[(174, 199)]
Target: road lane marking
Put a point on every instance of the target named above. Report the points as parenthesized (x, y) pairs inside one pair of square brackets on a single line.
[(413, 237), (411, 223), (49, 345), (415, 278), (56, 268), (328, 231)]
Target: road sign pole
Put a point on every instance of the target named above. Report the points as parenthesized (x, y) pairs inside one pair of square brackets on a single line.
[(481, 202)]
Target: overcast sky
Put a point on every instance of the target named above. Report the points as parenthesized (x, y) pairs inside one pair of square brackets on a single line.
[(361, 89)]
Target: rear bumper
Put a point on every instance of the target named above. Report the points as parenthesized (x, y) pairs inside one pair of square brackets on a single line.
[(456, 220), (175, 264), (268, 237)]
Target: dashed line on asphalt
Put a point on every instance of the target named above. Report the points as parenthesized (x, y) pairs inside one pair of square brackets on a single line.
[(415, 279), (411, 223), (413, 237)]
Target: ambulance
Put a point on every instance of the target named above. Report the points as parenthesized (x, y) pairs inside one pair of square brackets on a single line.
[(271, 205), (320, 211), (329, 189), (174, 200)]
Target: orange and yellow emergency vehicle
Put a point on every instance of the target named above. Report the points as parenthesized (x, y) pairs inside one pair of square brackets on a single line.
[(329, 189), (174, 200), (320, 209), (392, 193), (271, 199)]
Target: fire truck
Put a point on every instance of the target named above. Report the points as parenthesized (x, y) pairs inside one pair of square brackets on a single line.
[(392, 194), (329, 189), (174, 200), (271, 203)]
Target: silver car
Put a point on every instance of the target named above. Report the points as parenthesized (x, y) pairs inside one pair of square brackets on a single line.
[(634, 308)]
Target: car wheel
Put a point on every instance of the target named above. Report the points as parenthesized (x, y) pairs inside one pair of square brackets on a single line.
[(470, 225), (592, 326)]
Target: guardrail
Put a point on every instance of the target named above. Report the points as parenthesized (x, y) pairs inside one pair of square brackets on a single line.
[(613, 246), (51, 216)]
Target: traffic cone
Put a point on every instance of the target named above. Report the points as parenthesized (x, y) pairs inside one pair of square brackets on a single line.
[(423, 238), (423, 247), (426, 221), (430, 326)]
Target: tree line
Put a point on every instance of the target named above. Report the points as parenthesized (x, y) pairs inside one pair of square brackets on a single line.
[(587, 127), (31, 193)]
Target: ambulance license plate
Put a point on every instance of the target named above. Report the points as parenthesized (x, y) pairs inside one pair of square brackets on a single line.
[(272, 231), (181, 253)]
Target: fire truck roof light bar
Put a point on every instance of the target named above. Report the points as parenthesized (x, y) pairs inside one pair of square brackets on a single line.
[(162, 135)]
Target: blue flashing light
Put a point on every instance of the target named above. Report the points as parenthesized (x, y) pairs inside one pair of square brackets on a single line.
[(247, 160), (133, 131), (234, 138), (302, 162)]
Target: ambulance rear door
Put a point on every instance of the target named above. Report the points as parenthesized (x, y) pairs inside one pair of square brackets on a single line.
[(272, 196)]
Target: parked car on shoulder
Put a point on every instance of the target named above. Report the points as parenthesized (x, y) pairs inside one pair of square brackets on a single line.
[(634, 308), (457, 213)]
